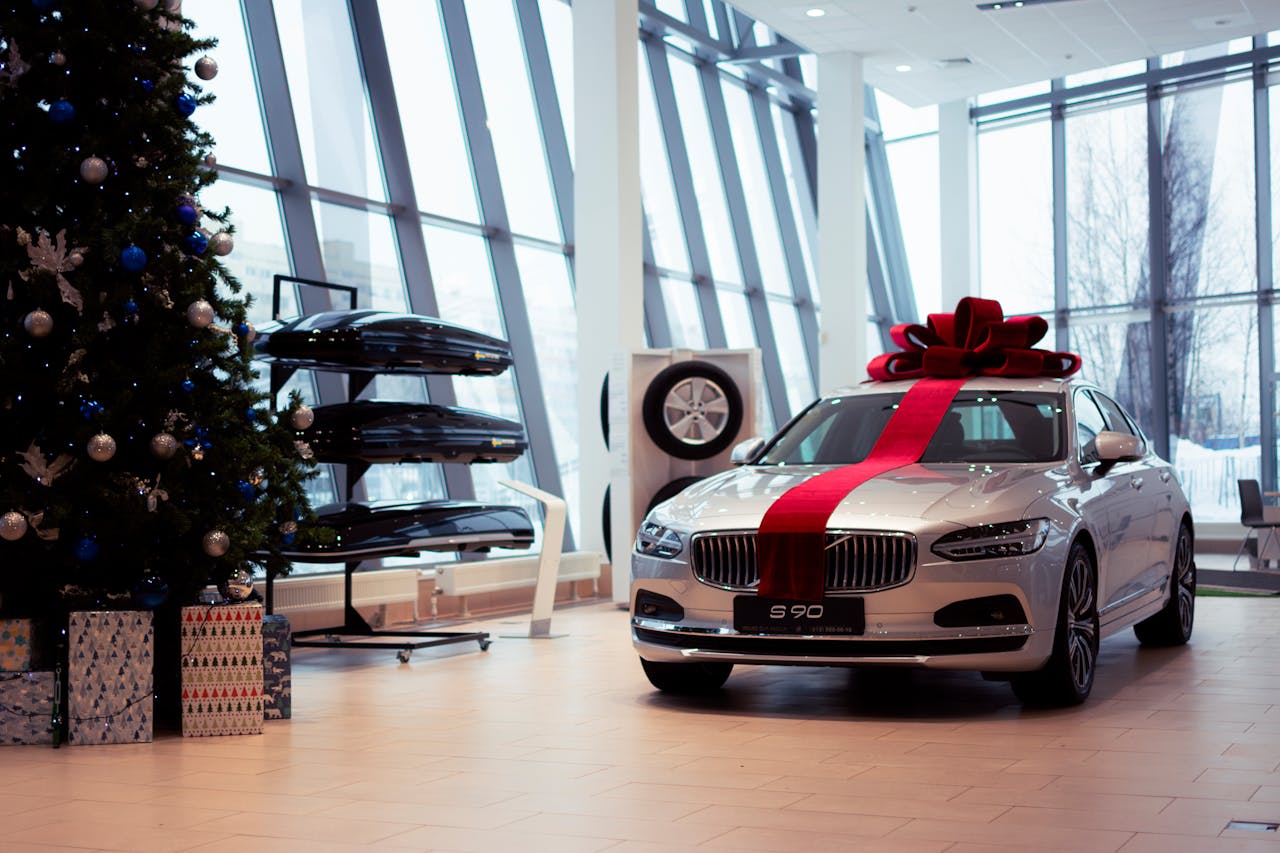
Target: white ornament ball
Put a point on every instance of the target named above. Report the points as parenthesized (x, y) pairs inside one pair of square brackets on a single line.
[(93, 170), (206, 68), (13, 526), (163, 445), (221, 243), (38, 323), (210, 160), (146, 5), (216, 543), (200, 313), (237, 586), (303, 417), (173, 7), (102, 447)]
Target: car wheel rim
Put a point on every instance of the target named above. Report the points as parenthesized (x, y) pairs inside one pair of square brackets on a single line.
[(1184, 569), (696, 410), (1082, 628)]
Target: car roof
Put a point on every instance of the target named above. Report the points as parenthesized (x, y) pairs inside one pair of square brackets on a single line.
[(1049, 384)]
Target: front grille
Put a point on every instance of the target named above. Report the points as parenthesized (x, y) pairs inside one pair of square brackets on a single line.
[(855, 562)]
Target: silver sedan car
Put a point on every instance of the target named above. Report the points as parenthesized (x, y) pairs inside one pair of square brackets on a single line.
[(1037, 522)]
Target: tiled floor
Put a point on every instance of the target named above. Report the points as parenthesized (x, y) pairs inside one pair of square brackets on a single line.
[(560, 745)]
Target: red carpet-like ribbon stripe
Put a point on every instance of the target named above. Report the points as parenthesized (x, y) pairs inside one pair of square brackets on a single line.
[(975, 340)]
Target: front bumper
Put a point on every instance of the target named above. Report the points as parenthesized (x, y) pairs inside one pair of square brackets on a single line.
[(900, 628)]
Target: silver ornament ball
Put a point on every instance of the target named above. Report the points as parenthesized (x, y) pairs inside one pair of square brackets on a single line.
[(303, 417), (173, 7), (216, 543), (163, 445), (146, 5), (13, 526), (221, 243), (58, 58), (101, 447), (38, 323), (93, 170), (200, 314), (288, 528), (237, 586), (206, 68), (210, 160)]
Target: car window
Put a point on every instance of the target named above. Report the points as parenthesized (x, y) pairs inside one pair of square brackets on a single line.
[(1089, 422), (981, 426), (1117, 420)]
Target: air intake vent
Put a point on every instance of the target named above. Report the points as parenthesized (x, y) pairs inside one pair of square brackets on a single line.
[(953, 62)]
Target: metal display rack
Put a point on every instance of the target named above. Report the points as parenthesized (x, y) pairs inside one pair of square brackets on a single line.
[(355, 632)]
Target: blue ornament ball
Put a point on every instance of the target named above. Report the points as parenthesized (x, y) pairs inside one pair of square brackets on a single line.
[(287, 538), (86, 549), (188, 385), (61, 111), (241, 329), (250, 415), (187, 214), (197, 243), (131, 307), (146, 85), (150, 592), (133, 259), (185, 104), (246, 489)]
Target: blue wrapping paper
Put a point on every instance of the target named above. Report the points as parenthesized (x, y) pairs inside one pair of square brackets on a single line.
[(109, 677), (277, 677), (26, 707)]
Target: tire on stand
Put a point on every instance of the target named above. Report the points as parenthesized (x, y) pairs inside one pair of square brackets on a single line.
[(692, 410), (686, 678), (1067, 677), (670, 490), (1172, 625)]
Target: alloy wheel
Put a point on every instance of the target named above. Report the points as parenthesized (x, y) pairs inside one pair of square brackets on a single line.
[(696, 410), (1184, 570), (1082, 628)]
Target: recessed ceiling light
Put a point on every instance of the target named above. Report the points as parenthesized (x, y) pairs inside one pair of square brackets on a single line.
[(902, 68), (815, 13), (1013, 4)]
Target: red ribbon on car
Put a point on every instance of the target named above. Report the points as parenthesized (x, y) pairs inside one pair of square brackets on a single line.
[(976, 340)]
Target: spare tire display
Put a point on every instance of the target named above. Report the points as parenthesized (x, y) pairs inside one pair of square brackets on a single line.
[(692, 410)]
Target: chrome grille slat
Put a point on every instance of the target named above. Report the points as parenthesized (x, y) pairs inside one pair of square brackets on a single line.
[(854, 561)]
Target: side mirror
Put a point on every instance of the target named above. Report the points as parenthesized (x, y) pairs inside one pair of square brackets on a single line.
[(1117, 447), (745, 452)]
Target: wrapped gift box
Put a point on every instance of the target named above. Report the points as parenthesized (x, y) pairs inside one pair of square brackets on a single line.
[(222, 670), (15, 645), (26, 707), (277, 640), (110, 655)]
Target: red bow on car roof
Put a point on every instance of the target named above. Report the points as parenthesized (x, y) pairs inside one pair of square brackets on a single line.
[(975, 340)]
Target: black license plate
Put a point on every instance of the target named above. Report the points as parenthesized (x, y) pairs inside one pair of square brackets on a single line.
[(755, 615)]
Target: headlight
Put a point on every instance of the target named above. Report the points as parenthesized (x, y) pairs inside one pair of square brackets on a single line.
[(1011, 539), (654, 540)]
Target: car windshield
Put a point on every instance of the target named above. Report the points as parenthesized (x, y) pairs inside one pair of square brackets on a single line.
[(981, 426)]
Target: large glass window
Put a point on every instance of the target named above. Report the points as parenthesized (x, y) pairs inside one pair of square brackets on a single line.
[(235, 118), (913, 165), (1107, 201), (795, 363), (683, 314), (326, 86), (423, 80), (798, 192), (557, 22), (512, 121), (761, 212), (359, 248), (260, 251), (1015, 216), (1116, 356), (661, 211)]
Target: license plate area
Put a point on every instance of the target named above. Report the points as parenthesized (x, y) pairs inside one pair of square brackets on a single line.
[(753, 614)]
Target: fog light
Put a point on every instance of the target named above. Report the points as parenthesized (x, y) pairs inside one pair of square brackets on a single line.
[(654, 606)]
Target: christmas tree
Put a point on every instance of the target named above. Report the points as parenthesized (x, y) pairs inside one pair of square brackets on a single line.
[(137, 459)]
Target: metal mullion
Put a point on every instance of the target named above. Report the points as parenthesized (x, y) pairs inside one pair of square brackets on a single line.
[(876, 286), (721, 15), (285, 151), (686, 196), (657, 325), (502, 255), (701, 38), (1266, 272), (1157, 251), (735, 197), (901, 294), (547, 104), (1058, 168), (805, 150), (787, 228), (394, 153)]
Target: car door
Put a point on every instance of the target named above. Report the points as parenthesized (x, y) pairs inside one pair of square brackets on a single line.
[(1112, 504), (1156, 492)]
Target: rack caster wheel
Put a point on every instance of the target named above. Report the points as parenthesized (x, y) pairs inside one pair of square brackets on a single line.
[(403, 655), (484, 645)]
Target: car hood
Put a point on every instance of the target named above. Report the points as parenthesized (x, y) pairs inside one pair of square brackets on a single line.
[(912, 498)]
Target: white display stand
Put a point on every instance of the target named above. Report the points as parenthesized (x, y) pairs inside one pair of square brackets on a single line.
[(544, 592)]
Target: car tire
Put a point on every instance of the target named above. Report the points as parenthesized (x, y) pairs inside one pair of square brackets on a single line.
[(1067, 678), (604, 411), (670, 490), (606, 526), (1173, 624), (692, 410), (686, 678)]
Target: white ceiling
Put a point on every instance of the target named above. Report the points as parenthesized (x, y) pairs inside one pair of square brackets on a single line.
[(1008, 47)]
